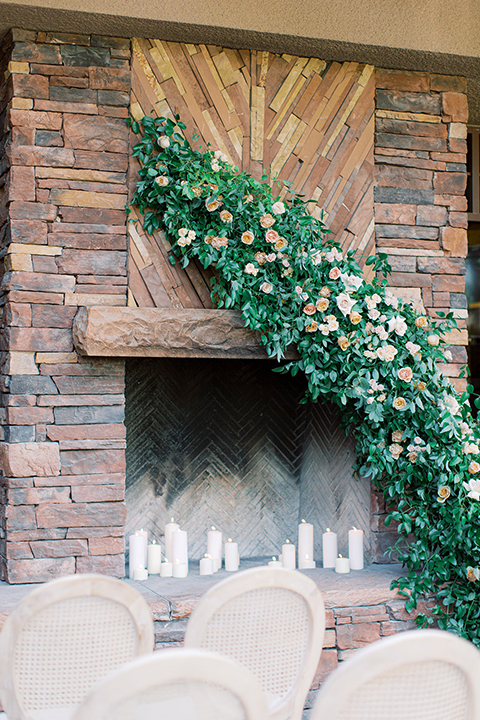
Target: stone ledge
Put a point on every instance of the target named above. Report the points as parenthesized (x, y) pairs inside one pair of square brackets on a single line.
[(165, 332)]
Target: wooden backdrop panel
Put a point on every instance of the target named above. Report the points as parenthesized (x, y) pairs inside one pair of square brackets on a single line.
[(299, 119)]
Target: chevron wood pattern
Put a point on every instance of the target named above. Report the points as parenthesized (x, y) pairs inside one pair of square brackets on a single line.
[(298, 119), (226, 443)]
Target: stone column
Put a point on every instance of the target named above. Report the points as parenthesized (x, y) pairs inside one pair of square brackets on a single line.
[(63, 164)]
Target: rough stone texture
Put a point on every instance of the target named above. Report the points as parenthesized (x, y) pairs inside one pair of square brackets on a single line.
[(28, 459), (161, 332)]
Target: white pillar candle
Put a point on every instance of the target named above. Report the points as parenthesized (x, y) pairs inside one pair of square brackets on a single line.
[(342, 565), (329, 548), (180, 546), (274, 563), (214, 545), (308, 564), (355, 549), (231, 556), (206, 565), (180, 570), (305, 543), (170, 528), (166, 569), (288, 556), (154, 558), (136, 556), (140, 574)]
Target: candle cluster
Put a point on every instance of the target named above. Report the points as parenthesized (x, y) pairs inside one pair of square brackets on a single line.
[(331, 558)]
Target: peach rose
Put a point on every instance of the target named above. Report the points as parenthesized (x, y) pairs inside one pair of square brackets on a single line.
[(271, 236), (162, 180), (343, 342), (355, 317), (313, 327), (267, 221), (472, 574), (226, 216), (247, 237), (397, 436), (399, 403), (322, 304), (325, 292), (209, 239), (212, 205), (443, 493), (260, 258), (334, 273), (396, 450), (266, 287), (309, 309), (473, 468), (405, 374), (421, 322), (281, 244), (420, 386), (412, 456), (197, 191), (219, 242)]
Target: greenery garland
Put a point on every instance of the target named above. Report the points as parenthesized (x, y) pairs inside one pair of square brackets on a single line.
[(359, 346)]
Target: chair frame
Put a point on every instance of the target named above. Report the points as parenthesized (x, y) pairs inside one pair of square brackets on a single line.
[(56, 591), (168, 666), (390, 653), (291, 705)]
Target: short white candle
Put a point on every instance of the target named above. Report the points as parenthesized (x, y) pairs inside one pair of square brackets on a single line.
[(305, 543), (308, 564), (355, 548), (214, 545), (180, 546), (154, 558), (329, 548), (180, 570), (140, 574), (342, 565), (288, 556), (274, 563), (170, 528), (231, 556), (206, 565), (166, 569), (136, 556)]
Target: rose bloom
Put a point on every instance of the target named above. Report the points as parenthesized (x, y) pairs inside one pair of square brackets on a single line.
[(226, 216), (325, 292), (162, 180), (381, 332), (271, 257), (420, 386), (398, 325), (412, 348), (183, 241), (219, 242), (266, 287), (343, 342), (209, 239), (387, 353), (164, 142), (399, 403), (247, 237), (405, 374), (278, 208), (313, 327), (324, 329), (271, 236), (433, 340), (355, 317), (421, 322), (309, 309), (471, 448), (322, 304), (247, 199), (397, 436), (281, 244), (267, 221), (473, 468), (250, 269), (374, 314), (443, 493), (396, 450), (260, 258), (334, 273), (345, 303), (215, 167), (473, 574), (197, 191), (182, 232), (370, 302), (412, 456), (332, 322), (212, 205)]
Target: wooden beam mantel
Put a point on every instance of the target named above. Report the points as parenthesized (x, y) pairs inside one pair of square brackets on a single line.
[(161, 332)]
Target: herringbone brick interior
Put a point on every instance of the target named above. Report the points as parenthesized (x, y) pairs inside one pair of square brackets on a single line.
[(226, 443)]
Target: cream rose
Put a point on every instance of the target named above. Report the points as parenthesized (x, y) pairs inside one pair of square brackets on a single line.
[(396, 450), (421, 322), (412, 456), (266, 287), (184, 240), (162, 180), (267, 220), (226, 216), (309, 309), (332, 323), (325, 292), (473, 574), (197, 191), (355, 317), (313, 327), (343, 342), (164, 142), (397, 436), (281, 244), (219, 242), (473, 487), (334, 273), (405, 374), (398, 325), (399, 403), (471, 449), (443, 493), (344, 302), (260, 258), (212, 205), (250, 269), (433, 340), (322, 304), (374, 314), (247, 237), (278, 208), (271, 236), (474, 467)]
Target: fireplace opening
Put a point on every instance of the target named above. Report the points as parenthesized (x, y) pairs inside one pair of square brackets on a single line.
[(226, 443)]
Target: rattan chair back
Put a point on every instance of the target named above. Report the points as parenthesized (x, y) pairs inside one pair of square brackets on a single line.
[(65, 636), (272, 621), (419, 674)]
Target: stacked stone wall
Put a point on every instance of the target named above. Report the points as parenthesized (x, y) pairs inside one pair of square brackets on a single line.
[(63, 244)]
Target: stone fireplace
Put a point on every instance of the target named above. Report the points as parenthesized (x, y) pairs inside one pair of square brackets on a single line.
[(67, 458)]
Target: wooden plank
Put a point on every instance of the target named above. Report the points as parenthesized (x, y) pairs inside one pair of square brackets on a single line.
[(257, 123), (155, 287), (136, 285), (288, 84)]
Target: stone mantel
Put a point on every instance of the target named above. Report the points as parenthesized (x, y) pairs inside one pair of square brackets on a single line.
[(162, 332)]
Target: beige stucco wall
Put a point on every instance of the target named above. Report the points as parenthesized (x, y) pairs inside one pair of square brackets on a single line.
[(436, 35)]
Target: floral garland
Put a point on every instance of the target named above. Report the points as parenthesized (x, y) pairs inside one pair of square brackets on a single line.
[(359, 346)]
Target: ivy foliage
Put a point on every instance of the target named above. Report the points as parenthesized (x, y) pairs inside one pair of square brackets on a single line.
[(358, 346)]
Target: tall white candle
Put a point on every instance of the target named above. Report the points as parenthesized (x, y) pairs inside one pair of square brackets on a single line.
[(329, 548), (144, 534), (180, 570), (288, 556), (154, 558), (136, 556), (206, 565), (214, 545), (342, 565), (170, 528), (180, 546), (305, 543), (231, 556), (355, 548)]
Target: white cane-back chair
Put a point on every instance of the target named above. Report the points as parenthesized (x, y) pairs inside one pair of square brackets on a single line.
[(65, 636), (419, 674), (176, 684), (270, 620)]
